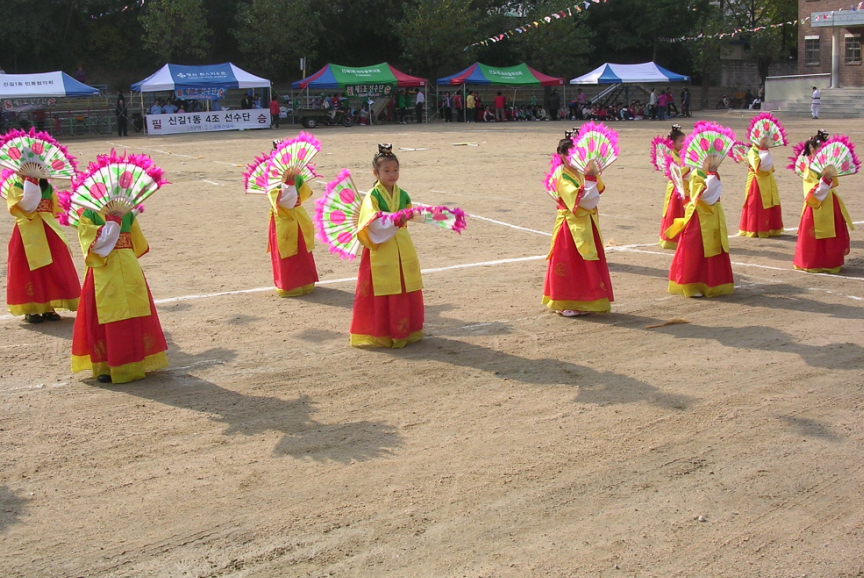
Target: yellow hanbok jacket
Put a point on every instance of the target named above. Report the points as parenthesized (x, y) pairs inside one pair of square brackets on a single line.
[(712, 221), (823, 211), (581, 222), (290, 222), (397, 254), (32, 226), (765, 180), (121, 291)]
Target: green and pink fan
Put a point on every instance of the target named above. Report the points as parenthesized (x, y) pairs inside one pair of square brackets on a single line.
[(37, 155), (550, 180), (7, 181), (766, 126), (672, 170), (593, 144), (116, 183), (799, 162), (661, 147), (337, 216), (254, 179), (707, 146), (836, 158), (295, 153), (738, 152)]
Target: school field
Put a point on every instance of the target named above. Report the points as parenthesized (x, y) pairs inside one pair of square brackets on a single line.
[(509, 443)]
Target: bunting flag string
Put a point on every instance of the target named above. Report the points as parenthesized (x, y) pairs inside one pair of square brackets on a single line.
[(735, 32), (136, 4), (569, 11)]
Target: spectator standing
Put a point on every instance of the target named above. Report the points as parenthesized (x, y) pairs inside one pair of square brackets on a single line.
[(652, 104), (457, 106), (419, 104), (685, 102), (122, 112), (554, 104), (661, 106), (469, 108), (815, 100), (478, 107), (157, 107), (402, 106), (670, 103), (447, 105), (274, 112), (499, 107), (169, 108)]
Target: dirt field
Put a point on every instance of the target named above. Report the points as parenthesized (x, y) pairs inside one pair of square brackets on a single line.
[(510, 442)]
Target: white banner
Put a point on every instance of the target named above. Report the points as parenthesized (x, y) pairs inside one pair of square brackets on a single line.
[(208, 121)]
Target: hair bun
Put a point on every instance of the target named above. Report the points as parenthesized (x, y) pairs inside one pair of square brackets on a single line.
[(385, 150)]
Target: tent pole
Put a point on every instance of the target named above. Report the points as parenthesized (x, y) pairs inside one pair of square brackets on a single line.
[(465, 103)]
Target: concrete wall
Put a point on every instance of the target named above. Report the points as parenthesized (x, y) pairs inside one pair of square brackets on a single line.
[(850, 74)]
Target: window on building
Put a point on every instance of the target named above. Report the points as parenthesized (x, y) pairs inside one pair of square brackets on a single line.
[(811, 51), (853, 49)]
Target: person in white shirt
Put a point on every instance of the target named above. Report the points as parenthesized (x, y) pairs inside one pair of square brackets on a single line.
[(157, 107), (815, 98), (169, 108), (418, 105)]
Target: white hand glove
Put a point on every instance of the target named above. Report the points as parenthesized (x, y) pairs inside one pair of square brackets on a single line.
[(822, 190), (590, 197), (766, 162), (712, 191), (288, 196), (381, 231), (31, 198), (106, 240)]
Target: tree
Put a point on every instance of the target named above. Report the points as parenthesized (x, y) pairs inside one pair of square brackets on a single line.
[(542, 47), (706, 50), (176, 29), (274, 34), (434, 34)]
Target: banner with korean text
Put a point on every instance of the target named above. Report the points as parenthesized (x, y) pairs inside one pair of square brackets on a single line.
[(208, 121)]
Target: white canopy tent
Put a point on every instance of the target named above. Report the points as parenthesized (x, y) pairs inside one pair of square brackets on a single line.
[(180, 76), (43, 85), (645, 73)]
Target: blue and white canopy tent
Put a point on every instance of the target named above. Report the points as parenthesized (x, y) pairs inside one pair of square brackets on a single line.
[(206, 82), (619, 77), (43, 85)]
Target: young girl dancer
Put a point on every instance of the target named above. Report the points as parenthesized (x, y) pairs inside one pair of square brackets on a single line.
[(388, 302), (823, 234), (761, 215), (577, 277), (291, 237), (673, 204), (40, 274), (701, 266), (117, 331)]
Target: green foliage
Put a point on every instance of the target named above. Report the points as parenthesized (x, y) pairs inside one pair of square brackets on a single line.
[(176, 30), (273, 35), (434, 33)]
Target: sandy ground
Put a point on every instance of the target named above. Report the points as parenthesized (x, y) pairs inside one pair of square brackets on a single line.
[(510, 442)]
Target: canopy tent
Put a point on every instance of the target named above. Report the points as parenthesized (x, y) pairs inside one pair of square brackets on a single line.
[(208, 76), (376, 80), (335, 76), (43, 85), (519, 75), (647, 72)]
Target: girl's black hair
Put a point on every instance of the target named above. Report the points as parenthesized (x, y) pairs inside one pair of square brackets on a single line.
[(675, 132), (814, 142), (385, 152), (566, 143)]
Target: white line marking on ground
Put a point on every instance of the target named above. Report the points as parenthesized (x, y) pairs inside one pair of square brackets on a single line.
[(211, 182), (517, 227)]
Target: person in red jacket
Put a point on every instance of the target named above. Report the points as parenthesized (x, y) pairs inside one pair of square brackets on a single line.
[(274, 112)]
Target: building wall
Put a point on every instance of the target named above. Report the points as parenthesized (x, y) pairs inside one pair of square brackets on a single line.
[(850, 74), (739, 75)]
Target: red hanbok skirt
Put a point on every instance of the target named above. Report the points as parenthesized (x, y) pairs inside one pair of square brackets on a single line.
[(821, 255), (675, 210), (294, 275), (386, 321), (757, 221), (55, 286), (125, 350), (692, 273), (574, 283)]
